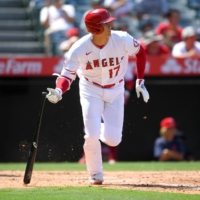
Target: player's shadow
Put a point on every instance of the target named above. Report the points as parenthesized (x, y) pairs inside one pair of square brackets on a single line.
[(9, 175)]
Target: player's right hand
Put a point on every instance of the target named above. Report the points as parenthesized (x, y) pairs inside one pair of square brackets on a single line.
[(54, 95)]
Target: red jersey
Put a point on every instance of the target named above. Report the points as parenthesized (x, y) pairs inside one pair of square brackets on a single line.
[(164, 27), (163, 50)]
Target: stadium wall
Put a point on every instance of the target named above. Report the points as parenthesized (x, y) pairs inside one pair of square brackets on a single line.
[(61, 136)]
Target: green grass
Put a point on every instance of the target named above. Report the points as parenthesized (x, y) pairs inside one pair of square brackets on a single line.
[(120, 166), (88, 193)]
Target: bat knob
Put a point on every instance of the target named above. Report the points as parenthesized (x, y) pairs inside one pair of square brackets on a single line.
[(44, 93)]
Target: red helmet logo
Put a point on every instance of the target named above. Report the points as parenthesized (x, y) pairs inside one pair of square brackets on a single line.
[(95, 18)]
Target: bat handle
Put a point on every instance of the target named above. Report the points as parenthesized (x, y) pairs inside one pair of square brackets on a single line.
[(44, 93)]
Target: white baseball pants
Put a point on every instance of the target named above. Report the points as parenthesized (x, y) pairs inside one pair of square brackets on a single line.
[(99, 102)]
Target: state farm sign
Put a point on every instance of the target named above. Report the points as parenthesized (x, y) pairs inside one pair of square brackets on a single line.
[(191, 66), (14, 67), (186, 66), (42, 66), (46, 66)]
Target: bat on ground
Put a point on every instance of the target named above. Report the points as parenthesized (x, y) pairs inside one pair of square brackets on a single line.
[(34, 145)]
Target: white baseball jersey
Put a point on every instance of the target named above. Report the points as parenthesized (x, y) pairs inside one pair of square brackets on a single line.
[(105, 65)]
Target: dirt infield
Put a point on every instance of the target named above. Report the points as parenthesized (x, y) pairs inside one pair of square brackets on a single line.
[(187, 182)]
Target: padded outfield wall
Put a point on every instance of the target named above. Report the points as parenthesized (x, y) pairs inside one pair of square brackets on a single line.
[(61, 136)]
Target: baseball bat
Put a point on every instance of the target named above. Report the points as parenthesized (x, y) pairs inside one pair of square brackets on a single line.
[(34, 145)]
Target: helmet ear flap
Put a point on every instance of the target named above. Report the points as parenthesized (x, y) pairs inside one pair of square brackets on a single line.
[(97, 29)]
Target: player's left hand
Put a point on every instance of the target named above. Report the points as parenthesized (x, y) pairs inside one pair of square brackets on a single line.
[(141, 88)]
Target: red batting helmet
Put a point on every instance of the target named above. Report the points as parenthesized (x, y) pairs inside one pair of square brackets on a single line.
[(95, 18)]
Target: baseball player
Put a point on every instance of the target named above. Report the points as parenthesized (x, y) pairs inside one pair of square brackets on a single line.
[(100, 60)]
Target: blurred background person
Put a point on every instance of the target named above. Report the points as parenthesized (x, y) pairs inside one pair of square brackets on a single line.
[(57, 18), (168, 147), (153, 44), (146, 25), (72, 35), (119, 8), (170, 29), (189, 47), (147, 8), (198, 34)]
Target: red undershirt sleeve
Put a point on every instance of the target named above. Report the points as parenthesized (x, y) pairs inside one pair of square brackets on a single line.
[(63, 83), (140, 62)]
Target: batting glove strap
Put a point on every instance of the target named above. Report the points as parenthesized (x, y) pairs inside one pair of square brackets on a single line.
[(54, 95), (141, 88)]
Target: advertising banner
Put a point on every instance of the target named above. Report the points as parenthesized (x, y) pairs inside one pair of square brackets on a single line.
[(46, 66)]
